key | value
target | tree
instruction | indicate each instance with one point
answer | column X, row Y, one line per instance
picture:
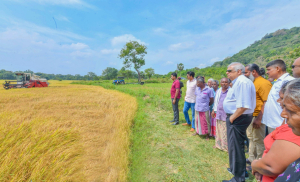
column 149, row 72
column 109, row 73
column 92, row 75
column 134, row 53
column 180, row 67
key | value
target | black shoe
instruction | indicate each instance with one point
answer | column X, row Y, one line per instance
column 176, row 123
column 229, row 170
column 172, row 121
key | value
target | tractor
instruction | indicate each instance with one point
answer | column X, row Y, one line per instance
column 26, row 80
column 119, row 81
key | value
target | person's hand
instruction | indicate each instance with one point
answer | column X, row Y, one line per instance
column 174, row 100
column 230, row 119
column 257, row 123
column 258, row 176
column 213, row 114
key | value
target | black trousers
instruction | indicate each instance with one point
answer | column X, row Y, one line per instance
column 236, row 135
column 175, row 110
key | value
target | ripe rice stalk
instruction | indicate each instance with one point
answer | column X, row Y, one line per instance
column 65, row 133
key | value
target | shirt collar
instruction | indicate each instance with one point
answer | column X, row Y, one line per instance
column 283, row 76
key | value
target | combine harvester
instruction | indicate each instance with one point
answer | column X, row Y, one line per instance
column 26, row 80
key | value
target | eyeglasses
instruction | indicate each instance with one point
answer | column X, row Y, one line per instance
column 228, row 71
column 293, row 66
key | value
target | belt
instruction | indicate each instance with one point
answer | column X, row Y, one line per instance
column 228, row 115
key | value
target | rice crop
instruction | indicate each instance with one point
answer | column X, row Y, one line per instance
column 65, row 133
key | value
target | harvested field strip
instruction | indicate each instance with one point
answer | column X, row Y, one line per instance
column 65, row 133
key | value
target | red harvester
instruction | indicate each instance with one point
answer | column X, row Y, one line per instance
column 26, row 80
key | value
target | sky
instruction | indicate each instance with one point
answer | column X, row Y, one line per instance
column 81, row 36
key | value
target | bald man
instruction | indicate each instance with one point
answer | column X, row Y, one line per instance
column 296, row 68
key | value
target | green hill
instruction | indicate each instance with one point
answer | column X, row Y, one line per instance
column 279, row 44
column 283, row 44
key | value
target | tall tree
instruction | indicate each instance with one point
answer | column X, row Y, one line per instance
column 109, row 73
column 134, row 53
column 149, row 72
column 180, row 66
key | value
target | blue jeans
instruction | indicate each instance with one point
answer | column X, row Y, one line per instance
column 186, row 108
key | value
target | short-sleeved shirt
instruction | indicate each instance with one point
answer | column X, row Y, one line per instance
column 190, row 91
column 292, row 173
column 203, row 98
column 283, row 132
column 272, row 109
column 262, row 88
column 221, row 115
column 242, row 94
column 175, row 85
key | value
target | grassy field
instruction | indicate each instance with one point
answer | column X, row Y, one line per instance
column 161, row 151
column 65, row 133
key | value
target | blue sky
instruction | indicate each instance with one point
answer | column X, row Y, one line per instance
column 79, row 36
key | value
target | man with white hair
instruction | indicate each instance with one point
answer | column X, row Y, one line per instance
column 209, row 82
column 239, row 106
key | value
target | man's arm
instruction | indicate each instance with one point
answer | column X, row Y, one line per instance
column 211, row 101
column 176, row 94
column 257, row 121
column 237, row 113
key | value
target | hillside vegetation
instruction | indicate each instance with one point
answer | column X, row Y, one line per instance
column 280, row 44
column 65, row 133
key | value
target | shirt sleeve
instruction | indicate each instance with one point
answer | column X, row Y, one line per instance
column 196, row 91
column 210, row 93
column 177, row 85
column 263, row 92
column 243, row 95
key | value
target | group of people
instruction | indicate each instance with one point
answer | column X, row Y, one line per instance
column 248, row 107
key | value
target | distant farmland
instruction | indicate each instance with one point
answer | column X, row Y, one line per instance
column 65, row 133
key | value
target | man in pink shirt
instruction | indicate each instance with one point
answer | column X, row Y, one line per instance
column 175, row 96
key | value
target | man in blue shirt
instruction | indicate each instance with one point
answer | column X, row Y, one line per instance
column 239, row 106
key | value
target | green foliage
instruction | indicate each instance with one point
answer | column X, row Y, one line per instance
column 109, row 73
column 133, row 54
column 271, row 46
column 149, row 72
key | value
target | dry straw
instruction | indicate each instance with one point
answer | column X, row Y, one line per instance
column 65, row 133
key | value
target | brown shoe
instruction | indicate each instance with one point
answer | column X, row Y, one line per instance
column 195, row 134
column 185, row 124
column 192, row 129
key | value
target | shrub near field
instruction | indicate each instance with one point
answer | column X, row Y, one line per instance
column 64, row 133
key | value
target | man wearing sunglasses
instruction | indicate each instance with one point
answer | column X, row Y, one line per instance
column 239, row 106
column 296, row 68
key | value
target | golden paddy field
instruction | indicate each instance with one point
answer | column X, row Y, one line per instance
column 65, row 133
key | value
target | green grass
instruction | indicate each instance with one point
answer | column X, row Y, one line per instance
column 161, row 151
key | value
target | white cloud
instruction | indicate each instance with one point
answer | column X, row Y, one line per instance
column 159, row 30
column 62, row 18
column 123, row 39
column 181, row 46
column 201, row 65
column 169, row 63
column 79, row 46
column 110, row 51
column 215, row 59
column 61, row 2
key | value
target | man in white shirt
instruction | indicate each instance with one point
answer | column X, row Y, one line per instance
column 277, row 70
column 239, row 106
column 190, row 99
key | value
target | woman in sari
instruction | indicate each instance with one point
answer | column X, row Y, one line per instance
column 204, row 98
column 219, row 115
